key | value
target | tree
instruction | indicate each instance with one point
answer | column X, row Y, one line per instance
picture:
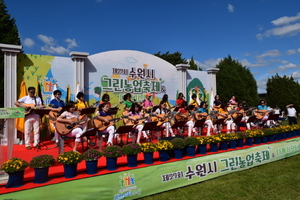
column 235, row 79
column 193, row 65
column 174, row 58
column 282, row 91
column 8, row 35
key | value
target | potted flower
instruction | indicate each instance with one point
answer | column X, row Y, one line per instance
column 203, row 141
column 91, row 157
column 233, row 137
column 270, row 133
column 191, row 143
column 241, row 137
column 132, row 150
column 148, row 149
column 163, row 147
column 224, row 140
column 70, row 160
column 112, row 153
column 15, row 168
column 178, row 146
column 250, row 135
column 213, row 141
column 41, row 166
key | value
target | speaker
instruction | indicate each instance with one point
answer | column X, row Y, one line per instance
column 170, row 138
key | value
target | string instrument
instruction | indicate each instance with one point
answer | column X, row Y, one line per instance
column 53, row 115
column 31, row 107
column 102, row 125
column 137, row 120
column 231, row 107
column 65, row 128
column 261, row 113
column 241, row 112
column 161, row 118
column 183, row 116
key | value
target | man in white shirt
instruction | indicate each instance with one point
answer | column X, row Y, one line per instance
column 292, row 114
column 31, row 119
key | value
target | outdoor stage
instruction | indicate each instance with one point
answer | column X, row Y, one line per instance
column 145, row 179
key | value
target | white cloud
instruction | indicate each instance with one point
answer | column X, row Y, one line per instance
column 270, row 53
column 28, row 42
column 291, row 52
column 71, row 43
column 284, row 68
column 47, row 40
column 230, row 8
column 298, row 50
column 57, row 50
column 296, row 75
column 210, row 63
column 285, row 20
column 262, row 85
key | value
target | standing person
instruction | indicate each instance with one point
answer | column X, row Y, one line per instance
column 66, row 118
column 161, row 113
column 147, row 103
column 102, row 116
column 292, row 114
column 31, row 119
column 56, row 106
column 134, row 115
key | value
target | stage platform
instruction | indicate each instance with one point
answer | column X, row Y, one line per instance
column 147, row 179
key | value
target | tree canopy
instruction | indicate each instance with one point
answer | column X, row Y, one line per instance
column 8, row 35
column 235, row 79
column 282, row 91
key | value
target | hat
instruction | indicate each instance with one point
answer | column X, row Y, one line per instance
column 148, row 95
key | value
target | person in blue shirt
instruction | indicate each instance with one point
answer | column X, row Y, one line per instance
column 262, row 113
column 203, row 113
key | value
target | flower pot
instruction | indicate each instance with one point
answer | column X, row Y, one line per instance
column 213, row 147
column 70, row 170
column 132, row 160
column 256, row 140
column 190, row 150
column 232, row 144
column 91, row 166
column 298, row 132
column 271, row 138
column 278, row 136
column 240, row 142
column 178, row 153
column 15, row 179
column 249, row 141
column 264, row 139
column 164, row 156
column 294, row 133
column 201, row 149
column 283, row 136
column 288, row 134
column 223, row 145
column 148, row 158
column 111, row 163
column 41, row 175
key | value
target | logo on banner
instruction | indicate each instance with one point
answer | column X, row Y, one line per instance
column 128, row 186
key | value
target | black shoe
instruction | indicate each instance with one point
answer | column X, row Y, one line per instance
column 92, row 144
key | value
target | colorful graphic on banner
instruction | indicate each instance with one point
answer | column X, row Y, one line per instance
column 6, row 113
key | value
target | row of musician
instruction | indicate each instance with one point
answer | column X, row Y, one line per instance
column 68, row 119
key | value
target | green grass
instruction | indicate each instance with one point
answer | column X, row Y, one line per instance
column 277, row 180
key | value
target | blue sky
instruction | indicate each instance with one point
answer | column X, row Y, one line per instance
column 264, row 35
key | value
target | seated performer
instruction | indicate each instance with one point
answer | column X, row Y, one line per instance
column 31, row 119
column 184, row 115
column 262, row 113
column 217, row 103
column 161, row 113
column 194, row 102
column 203, row 112
column 105, row 99
column 179, row 100
column 127, row 103
column 147, row 103
column 102, row 116
column 135, row 116
column 70, row 116
column 81, row 104
column 166, row 101
column 56, row 106
column 241, row 111
column 223, row 114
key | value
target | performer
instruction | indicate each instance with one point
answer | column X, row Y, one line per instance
column 134, row 115
column 203, row 113
column 31, row 119
column 161, row 113
column 240, row 110
column 56, row 106
column 81, row 104
column 66, row 117
column 292, row 114
column 194, row 102
column 165, row 100
column 147, row 103
column 228, row 119
column 179, row 100
column 217, row 103
column 105, row 99
column 262, row 113
column 185, row 114
column 127, row 102
column 232, row 103
column 101, row 115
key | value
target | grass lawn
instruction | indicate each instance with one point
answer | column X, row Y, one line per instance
column 276, row 180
